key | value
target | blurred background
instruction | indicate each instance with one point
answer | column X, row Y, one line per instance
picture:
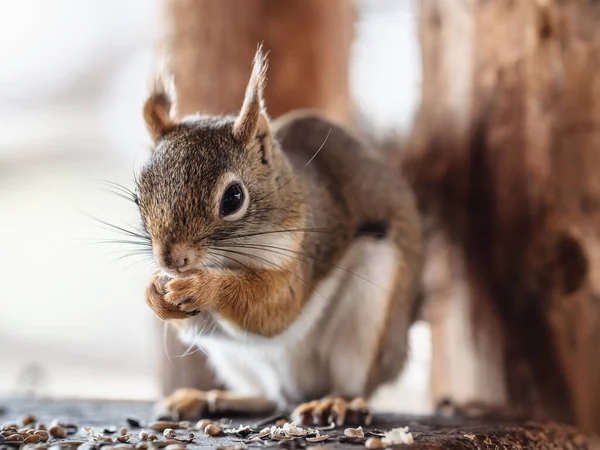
column 72, row 82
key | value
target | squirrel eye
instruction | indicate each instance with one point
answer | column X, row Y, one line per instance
column 232, row 200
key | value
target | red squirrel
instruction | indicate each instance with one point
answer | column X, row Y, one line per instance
column 289, row 252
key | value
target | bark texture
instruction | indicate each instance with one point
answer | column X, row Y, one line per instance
column 209, row 46
column 505, row 158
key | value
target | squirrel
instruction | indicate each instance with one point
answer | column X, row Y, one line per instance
column 289, row 252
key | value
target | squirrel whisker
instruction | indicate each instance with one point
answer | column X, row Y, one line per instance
column 274, row 248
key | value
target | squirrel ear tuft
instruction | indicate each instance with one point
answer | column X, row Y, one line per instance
column 157, row 108
column 249, row 120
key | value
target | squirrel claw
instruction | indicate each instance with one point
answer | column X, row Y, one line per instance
column 182, row 293
column 333, row 410
column 155, row 298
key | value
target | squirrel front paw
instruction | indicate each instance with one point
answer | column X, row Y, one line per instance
column 190, row 294
column 155, row 298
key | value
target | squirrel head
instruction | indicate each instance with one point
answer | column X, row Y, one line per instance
column 210, row 193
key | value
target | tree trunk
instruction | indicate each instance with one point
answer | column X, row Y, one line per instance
column 209, row 45
column 505, row 159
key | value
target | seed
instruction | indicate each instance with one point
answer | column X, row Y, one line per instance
column 108, row 439
column 28, row 419
column 57, row 431
column 142, row 445
column 354, row 433
column 32, row 439
column 185, row 425
column 169, row 433
column 123, row 431
column 123, row 438
column 15, row 438
column 162, row 425
column 70, row 428
column 152, row 437
column 202, row 424
column 374, row 442
column 212, row 430
column 143, row 436
column 24, row 430
column 42, row 426
column 43, row 434
column 133, row 423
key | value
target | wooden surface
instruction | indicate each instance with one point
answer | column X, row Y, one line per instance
column 429, row 433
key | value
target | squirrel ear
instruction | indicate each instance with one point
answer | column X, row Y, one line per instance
column 253, row 116
column 157, row 109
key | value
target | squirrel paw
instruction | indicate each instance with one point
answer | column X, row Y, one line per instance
column 155, row 298
column 333, row 410
column 183, row 293
column 192, row 404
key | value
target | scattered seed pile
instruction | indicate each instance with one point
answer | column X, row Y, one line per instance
column 28, row 434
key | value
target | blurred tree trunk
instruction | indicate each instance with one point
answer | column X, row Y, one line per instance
column 210, row 45
column 505, row 159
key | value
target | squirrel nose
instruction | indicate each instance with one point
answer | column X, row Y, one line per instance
column 178, row 263
column 176, row 256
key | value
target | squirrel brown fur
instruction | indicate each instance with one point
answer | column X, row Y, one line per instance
column 289, row 250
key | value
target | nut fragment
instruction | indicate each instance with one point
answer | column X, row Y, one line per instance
column 212, row 430
column 202, row 424
column 152, row 437
column 143, row 436
column 123, row 438
column 398, row 436
column 142, row 445
column 123, row 431
column 185, row 425
column 374, row 442
column 354, row 433
column 169, row 433
column 57, row 431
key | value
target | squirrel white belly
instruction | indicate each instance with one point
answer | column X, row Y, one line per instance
column 289, row 252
